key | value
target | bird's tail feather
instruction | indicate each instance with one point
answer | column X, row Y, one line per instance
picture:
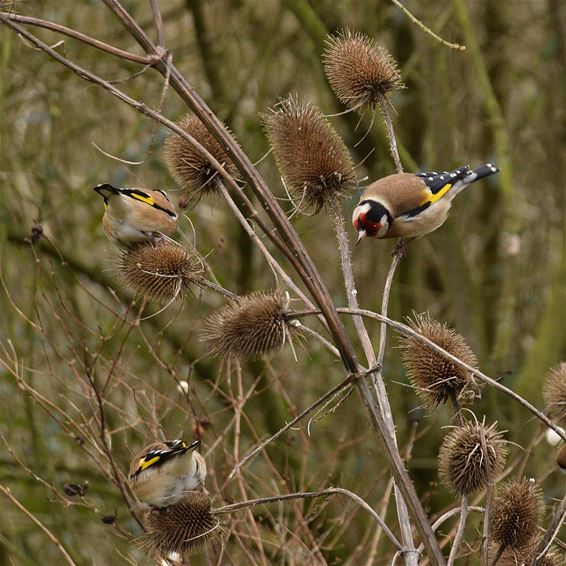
column 480, row 172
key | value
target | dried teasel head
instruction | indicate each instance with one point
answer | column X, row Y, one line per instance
column 435, row 378
column 554, row 393
column 516, row 514
column 463, row 464
column 161, row 271
column 524, row 557
column 192, row 171
column 185, row 527
column 360, row 72
column 249, row 327
column 310, row 155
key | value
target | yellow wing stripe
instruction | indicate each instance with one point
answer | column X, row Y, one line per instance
column 147, row 200
column 440, row 193
column 147, row 463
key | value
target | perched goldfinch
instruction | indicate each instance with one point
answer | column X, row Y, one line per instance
column 136, row 215
column 412, row 205
column 164, row 471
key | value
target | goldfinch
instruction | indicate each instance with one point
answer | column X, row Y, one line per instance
column 136, row 215
column 163, row 472
column 412, row 205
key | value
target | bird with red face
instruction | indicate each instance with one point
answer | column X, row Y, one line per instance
column 408, row 205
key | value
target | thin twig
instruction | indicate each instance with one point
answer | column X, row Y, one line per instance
column 309, row 495
column 558, row 518
column 321, row 400
column 144, row 60
column 390, row 134
column 6, row 491
column 460, row 531
column 416, row 21
column 158, row 22
column 488, row 497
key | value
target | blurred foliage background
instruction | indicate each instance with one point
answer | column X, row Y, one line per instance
column 496, row 271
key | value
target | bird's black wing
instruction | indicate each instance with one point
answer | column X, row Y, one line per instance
column 439, row 183
column 158, row 456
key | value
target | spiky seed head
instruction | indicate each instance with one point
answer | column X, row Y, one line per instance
column 161, row 270
column 554, row 393
column 189, row 168
column 309, row 153
column 360, row 71
column 524, row 556
column 516, row 513
column 436, row 379
column 248, row 328
column 185, row 527
column 462, row 462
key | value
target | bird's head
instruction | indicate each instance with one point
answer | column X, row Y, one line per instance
column 106, row 190
column 371, row 219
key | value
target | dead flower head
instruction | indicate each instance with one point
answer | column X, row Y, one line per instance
column 554, row 393
column 516, row 514
column 464, row 466
column 361, row 72
column 185, row 527
column 192, row 171
column 435, row 378
column 249, row 327
column 309, row 153
column 161, row 271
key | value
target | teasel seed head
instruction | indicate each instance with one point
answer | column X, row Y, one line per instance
column 192, row 171
column 516, row 514
column 160, row 271
column 524, row 557
column 309, row 153
column 249, row 327
column 185, row 527
column 461, row 460
column 554, row 393
column 360, row 71
column 436, row 379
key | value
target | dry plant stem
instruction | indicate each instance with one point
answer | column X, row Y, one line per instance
column 460, row 531
column 309, row 495
column 488, row 499
column 33, row 518
column 158, row 21
column 144, row 60
column 552, row 530
column 293, row 249
column 320, row 401
column 416, row 21
column 257, row 240
column 390, row 134
column 407, row 331
column 498, row 555
column 381, row 393
column 206, row 284
column 443, row 518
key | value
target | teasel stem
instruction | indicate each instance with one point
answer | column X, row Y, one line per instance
column 310, row 495
column 273, row 263
column 206, row 284
column 488, row 502
column 464, row 499
column 391, row 134
column 411, row 556
column 460, row 531
column 498, row 554
column 552, row 530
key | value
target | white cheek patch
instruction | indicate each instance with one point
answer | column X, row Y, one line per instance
column 384, row 226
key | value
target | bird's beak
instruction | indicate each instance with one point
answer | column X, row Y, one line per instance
column 361, row 236
column 194, row 445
